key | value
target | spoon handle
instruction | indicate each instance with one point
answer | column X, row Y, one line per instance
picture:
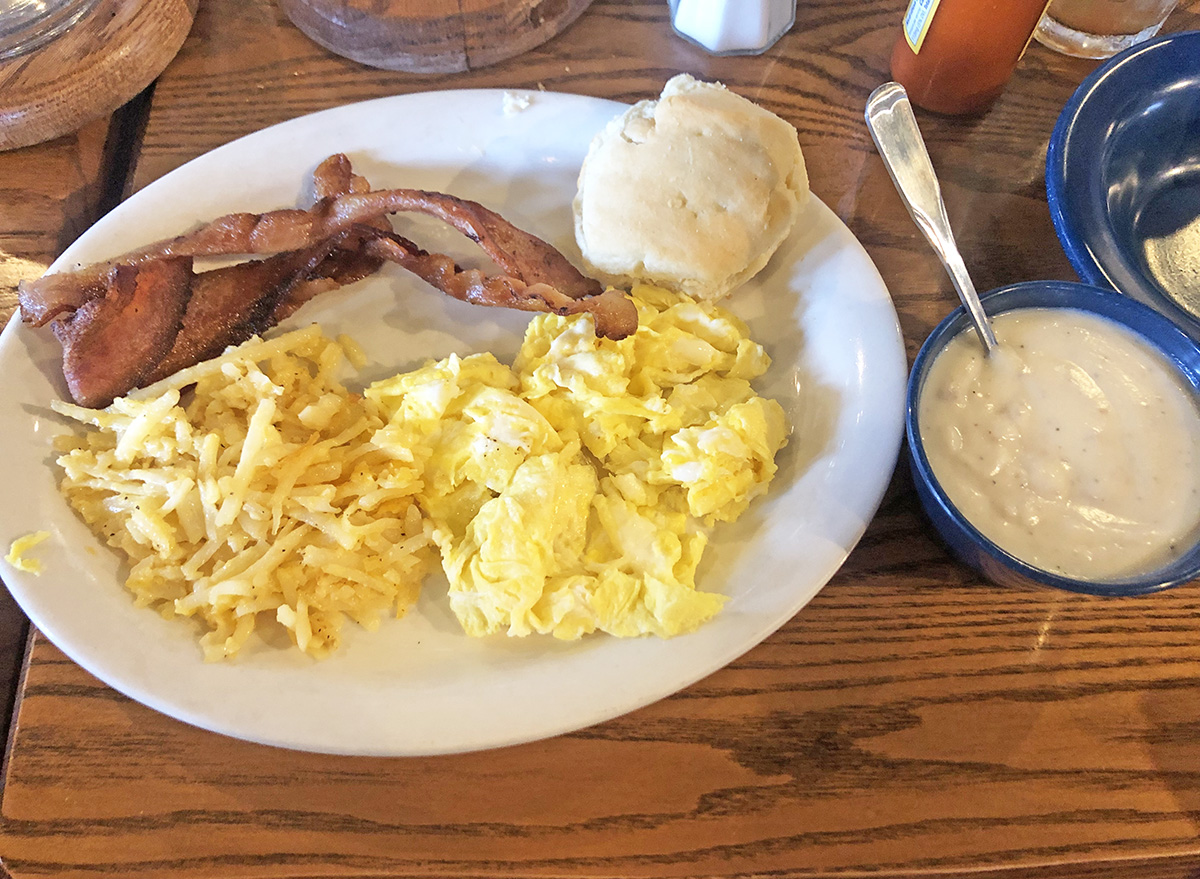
column 894, row 129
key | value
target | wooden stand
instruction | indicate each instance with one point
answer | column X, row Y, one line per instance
column 110, row 55
column 431, row 36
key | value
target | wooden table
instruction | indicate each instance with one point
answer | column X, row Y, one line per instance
column 912, row 719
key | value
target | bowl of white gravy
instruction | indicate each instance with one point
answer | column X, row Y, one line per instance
column 1070, row 455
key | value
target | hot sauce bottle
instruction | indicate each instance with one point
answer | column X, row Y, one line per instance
column 955, row 56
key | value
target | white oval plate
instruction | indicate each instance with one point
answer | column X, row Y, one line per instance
column 418, row 685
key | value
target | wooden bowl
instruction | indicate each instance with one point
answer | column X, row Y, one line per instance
column 88, row 71
column 431, row 36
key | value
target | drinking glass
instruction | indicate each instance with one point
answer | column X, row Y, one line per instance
column 26, row 25
column 1100, row 28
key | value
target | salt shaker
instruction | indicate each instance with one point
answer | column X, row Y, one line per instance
column 733, row 27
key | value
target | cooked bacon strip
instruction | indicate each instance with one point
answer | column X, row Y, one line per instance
column 52, row 295
column 334, row 177
column 46, row 298
column 147, row 315
column 111, row 343
column 347, row 263
column 615, row 314
column 539, row 277
column 519, row 254
column 231, row 304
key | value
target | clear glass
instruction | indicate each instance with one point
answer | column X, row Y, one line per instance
column 1101, row 28
column 26, row 25
column 733, row 27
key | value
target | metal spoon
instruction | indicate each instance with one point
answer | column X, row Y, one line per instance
column 894, row 128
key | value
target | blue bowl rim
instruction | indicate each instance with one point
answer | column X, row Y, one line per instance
column 1129, row 313
column 1070, row 203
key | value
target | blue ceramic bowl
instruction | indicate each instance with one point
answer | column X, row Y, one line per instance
column 959, row 534
column 1123, row 176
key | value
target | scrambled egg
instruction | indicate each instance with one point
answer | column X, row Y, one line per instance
column 574, row 491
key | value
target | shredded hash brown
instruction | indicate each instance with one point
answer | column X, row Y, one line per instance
column 257, row 492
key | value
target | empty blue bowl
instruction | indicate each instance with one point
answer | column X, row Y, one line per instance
column 1123, row 176
column 963, row 538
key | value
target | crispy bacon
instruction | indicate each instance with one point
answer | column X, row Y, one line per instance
column 111, row 344
column 614, row 314
column 334, row 177
column 62, row 292
column 229, row 305
column 348, row 263
column 519, row 254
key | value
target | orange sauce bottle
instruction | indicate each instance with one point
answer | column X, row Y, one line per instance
column 955, row 56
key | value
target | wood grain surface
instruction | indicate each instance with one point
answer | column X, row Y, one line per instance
column 432, row 36
column 98, row 65
column 911, row 720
